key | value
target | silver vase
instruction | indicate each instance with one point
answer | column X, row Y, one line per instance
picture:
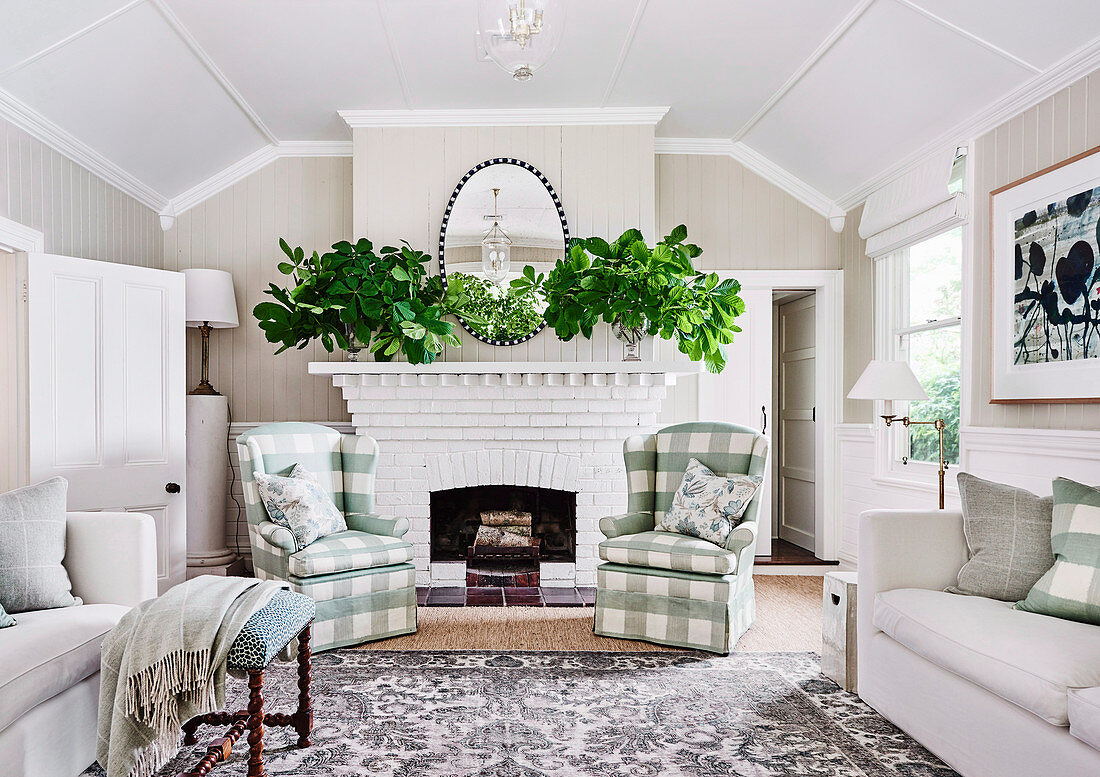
column 631, row 338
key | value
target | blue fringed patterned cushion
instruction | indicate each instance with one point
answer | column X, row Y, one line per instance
column 270, row 629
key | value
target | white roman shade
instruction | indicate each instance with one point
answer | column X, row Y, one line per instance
column 927, row 200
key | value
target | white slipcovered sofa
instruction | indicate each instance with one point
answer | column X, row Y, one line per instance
column 993, row 691
column 49, row 661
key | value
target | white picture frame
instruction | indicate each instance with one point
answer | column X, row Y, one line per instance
column 1043, row 374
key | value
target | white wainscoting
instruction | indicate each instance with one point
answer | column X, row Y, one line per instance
column 1028, row 458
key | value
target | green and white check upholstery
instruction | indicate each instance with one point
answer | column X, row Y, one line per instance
column 666, row 587
column 362, row 580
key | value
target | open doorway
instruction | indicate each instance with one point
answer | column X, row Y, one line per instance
column 795, row 469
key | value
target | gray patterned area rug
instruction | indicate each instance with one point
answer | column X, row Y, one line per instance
column 492, row 714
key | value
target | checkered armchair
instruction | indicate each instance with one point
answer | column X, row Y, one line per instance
column 363, row 579
column 666, row 587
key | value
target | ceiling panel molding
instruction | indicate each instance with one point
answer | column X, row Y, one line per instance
column 38, row 126
column 70, row 38
column 240, row 170
column 192, row 43
column 1071, row 69
column 837, row 33
column 624, row 51
column 755, row 162
column 503, row 117
column 970, row 36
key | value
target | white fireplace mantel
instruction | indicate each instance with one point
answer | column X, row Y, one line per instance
column 459, row 424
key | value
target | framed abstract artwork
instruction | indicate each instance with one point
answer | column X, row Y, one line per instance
column 1046, row 284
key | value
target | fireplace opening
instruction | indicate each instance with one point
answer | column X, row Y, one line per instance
column 456, row 516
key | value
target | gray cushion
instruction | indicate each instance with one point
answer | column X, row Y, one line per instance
column 32, row 545
column 49, row 652
column 1028, row 659
column 1008, row 533
column 1084, row 715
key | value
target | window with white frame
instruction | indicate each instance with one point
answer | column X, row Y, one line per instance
column 920, row 288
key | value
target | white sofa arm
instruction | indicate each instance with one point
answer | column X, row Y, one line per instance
column 905, row 549
column 111, row 558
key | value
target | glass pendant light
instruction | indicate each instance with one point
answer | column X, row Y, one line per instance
column 520, row 35
column 496, row 248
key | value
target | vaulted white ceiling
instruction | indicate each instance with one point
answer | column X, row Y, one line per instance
column 826, row 94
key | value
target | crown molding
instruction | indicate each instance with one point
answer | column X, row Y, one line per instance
column 39, row 127
column 1069, row 70
column 19, row 237
column 245, row 167
column 503, row 117
column 759, row 164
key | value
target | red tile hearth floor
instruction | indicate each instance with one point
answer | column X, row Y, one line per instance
column 505, row 597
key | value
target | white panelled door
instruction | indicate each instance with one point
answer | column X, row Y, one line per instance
column 106, row 388
column 742, row 393
column 796, row 448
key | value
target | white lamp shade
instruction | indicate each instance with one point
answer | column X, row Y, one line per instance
column 210, row 298
column 887, row 380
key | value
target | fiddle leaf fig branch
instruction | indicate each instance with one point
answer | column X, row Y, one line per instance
column 386, row 300
column 630, row 283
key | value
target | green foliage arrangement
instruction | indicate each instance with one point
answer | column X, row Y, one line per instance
column 507, row 315
column 654, row 289
column 386, row 301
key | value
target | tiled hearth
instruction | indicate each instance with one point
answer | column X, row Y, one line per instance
column 457, row 596
column 457, row 425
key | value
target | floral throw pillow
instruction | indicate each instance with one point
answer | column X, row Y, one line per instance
column 299, row 503
column 708, row 506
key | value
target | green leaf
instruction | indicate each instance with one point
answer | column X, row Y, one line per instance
column 400, row 274
column 677, row 235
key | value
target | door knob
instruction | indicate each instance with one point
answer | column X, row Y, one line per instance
column 172, row 488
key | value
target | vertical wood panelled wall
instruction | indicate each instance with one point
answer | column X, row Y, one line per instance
column 306, row 200
column 1065, row 124
column 859, row 321
column 78, row 212
column 604, row 176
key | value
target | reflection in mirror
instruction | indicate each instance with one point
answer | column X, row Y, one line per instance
column 504, row 215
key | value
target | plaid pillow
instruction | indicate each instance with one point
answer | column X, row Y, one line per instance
column 5, row 619
column 1071, row 589
column 299, row 503
column 708, row 506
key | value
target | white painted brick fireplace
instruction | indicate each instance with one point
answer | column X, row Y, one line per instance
column 455, row 425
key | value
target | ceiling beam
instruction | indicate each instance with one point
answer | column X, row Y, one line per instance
column 192, row 43
column 822, row 49
column 395, row 56
column 970, row 36
column 624, row 51
column 70, row 38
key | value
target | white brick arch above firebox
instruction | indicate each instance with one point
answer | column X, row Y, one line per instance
column 539, row 469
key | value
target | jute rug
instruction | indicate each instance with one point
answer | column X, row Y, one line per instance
column 557, row 714
column 788, row 618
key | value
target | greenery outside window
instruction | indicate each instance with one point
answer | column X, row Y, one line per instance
column 921, row 289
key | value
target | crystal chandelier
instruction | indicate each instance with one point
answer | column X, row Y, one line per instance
column 520, row 35
column 496, row 247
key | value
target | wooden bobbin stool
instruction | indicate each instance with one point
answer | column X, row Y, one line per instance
column 264, row 636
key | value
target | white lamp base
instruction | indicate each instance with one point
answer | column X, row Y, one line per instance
column 207, row 464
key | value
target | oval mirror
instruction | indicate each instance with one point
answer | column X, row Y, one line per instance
column 503, row 215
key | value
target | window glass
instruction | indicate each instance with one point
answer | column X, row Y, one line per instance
column 935, row 278
column 935, row 357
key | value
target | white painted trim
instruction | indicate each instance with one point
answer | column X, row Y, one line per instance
column 70, row 38
column 240, row 427
column 503, row 117
column 243, row 168
column 977, row 39
column 504, row 368
column 757, row 163
column 38, row 126
column 1072, row 68
column 624, row 51
column 19, row 237
column 829, row 285
column 1068, row 442
column 200, row 54
column 395, row 57
column 823, row 48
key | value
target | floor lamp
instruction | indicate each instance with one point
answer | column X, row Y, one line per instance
column 210, row 305
column 894, row 380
